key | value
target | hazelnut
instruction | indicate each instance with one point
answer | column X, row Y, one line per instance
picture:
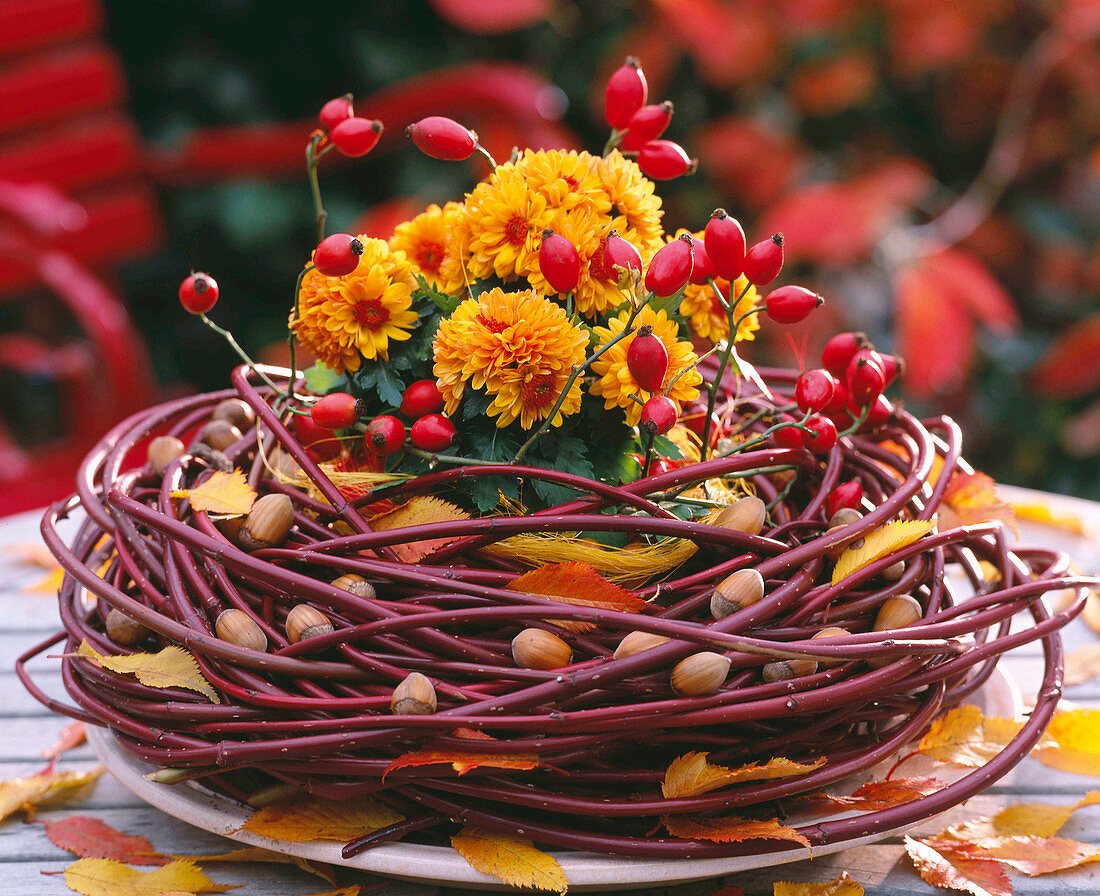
column 162, row 451
column 700, row 674
column 414, row 696
column 735, row 592
column 785, row 670
column 744, row 515
column 268, row 522
column 124, row 629
column 534, row 648
column 357, row 585
column 219, row 434
column 304, row 622
column 237, row 412
column 636, row 642
column 237, row 627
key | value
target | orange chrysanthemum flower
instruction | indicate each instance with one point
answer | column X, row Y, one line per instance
column 635, row 207
column 568, row 180
column 614, row 382
column 344, row 320
column 424, row 239
column 518, row 346
column 506, row 218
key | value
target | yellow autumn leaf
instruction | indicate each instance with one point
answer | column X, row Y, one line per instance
column 1082, row 664
column 419, row 511
column 1040, row 513
column 106, row 877
column 1038, row 819
column 1072, row 742
column 730, row 829
column 880, row 543
column 223, row 495
column 172, row 667
column 842, row 886
column 27, row 793
column 965, row 737
column 691, row 774
column 510, row 859
column 314, row 818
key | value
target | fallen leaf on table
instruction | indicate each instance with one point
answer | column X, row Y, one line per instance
column 1072, row 742
column 958, row 865
column 261, row 856
column 1091, row 613
column 419, row 511
column 105, row 877
column 223, row 495
column 1082, row 664
column 301, row 819
column 71, row 737
column 879, row 543
column 730, row 829
column 972, row 498
column 1040, row 513
column 1024, row 819
column 32, row 553
column 1038, row 855
column 172, row 667
column 580, row 584
column 691, row 774
column 842, row 886
column 965, row 737
column 463, row 762
column 95, row 839
column 510, row 859
column 876, row 795
column 27, row 793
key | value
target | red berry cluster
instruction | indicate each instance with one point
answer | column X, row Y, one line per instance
column 641, row 125
column 351, row 135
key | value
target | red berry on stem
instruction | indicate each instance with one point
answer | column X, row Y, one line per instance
column 822, row 435
column 659, row 415
column 814, row 390
column 790, row 304
column 892, row 367
column 618, row 253
column 335, row 111
column 670, row 268
column 337, row 255
column 839, row 401
column 317, row 439
column 865, row 379
column 384, row 436
column 847, row 494
column 356, row 137
column 199, row 293
column 702, row 269
column 420, row 398
column 881, row 411
column 764, row 261
column 559, row 261
column 336, row 411
column 648, row 123
column 442, row 138
column 725, row 242
column 838, row 351
column 789, row 436
column 647, row 360
column 433, row 432
column 664, row 160
column 626, row 93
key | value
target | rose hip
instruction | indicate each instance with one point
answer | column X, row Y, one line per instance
column 822, row 435
column 847, row 494
column 626, row 93
column 336, row 411
column 814, row 390
column 659, row 415
column 433, row 432
column 559, row 262
column 647, row 360
column 337, row 255
column 442, row 138
column 764, row 261
column 665, row 160
column 791, row 304
column 385, row 435
column 670, row 268
column 356, row 137
column 839, row 350
column 648, row 123
column 421, row 398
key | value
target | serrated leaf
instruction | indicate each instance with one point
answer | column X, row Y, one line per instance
column 224, row 495
column 379, row 379
column 957, row 865
column 513, row 860
column 880, row 543
column 91, row 838
column 691, row 774
column 876, row 795
column 1072, row 742
column 443, row 301
column 1032, row 819
column 578, row 584
column 27, row 793
column 260, row 855
column 730, row 829
column 106, row 877
column 1038, row 855
column 965, row 737
column 418, row 511
column 301, row 819
column 71, row 737
column 464, row 761
column 320, row 380
column 842, row 886
column 171, row 667
column 972, row 498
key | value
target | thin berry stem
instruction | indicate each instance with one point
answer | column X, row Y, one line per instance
column 723, row 364
column 242, row 354
column 312, row 158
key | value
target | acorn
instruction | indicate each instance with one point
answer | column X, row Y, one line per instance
column 414, row 696
column 785, row 670
column 735, row 592
column 357, row 585
column 219, row 434
column 699, row 674
column 304, row 622
column 268, row 523
column 832, row 632
column 124, row 629
column 162, row 451
column 744, row 515
column 534, row 648
column 897, row 612
column 237, row 412
column 636, row 642
column 237, row 627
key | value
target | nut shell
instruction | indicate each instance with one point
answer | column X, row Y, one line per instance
column 268, row 522
column 832, row 632
column 124, row 629
column 304, row 622
column 534, row 648
column 636, row 642
column 235, row 411
column 735, row 592
column 894, row 571
column 785, row 670
column 219, row 434
column 357, row 585
column 283, row 467
column 700, row 674
column 162, row 451
column 237, row 627
column 897, row 612
column 414, row 696
column 744, row 515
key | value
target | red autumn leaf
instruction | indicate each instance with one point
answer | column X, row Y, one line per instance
column 1070, row 367
column 876, row 795
column 464, row 761
column 976, row 289
column 93, row 839
column 973, row 498
column 492, row 16
column 1038, row 855
column 728, row 42
column 421, row 510
column 577, row 583
column 957, row 865
column 71, row 737
column 747, row 159
column 935, row 335
column 730, row 829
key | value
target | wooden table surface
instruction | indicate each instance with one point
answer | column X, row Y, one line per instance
column 27, row 728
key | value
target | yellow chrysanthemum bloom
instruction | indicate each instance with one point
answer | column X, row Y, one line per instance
column 635, row 207
column 343, row 320
column 614, row 382
column 566, row 179
column 454, row 273
column 706, row 316
column 581, row 226
column 506, row 219
column 519, row 346
column 424, row 239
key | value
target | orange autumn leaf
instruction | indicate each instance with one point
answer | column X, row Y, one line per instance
column 91, row 838
column 691, row 774
column 106, row 877
column 972, row 498
column 513, row 860
column 842, row 886
column 223, row 495
column 419, row 511
column 70, row 737
column 1072, row 742
column 958, row 865
column 464, row 761
column 730, row 829
column 1037, row 855
column 965, row 737
column 26, row 793
column 1045, row 516
column 880, row 543
column 170, row 667
column 1082, row 664
column 301, row 819
column 579, row 584
column 876, row 795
